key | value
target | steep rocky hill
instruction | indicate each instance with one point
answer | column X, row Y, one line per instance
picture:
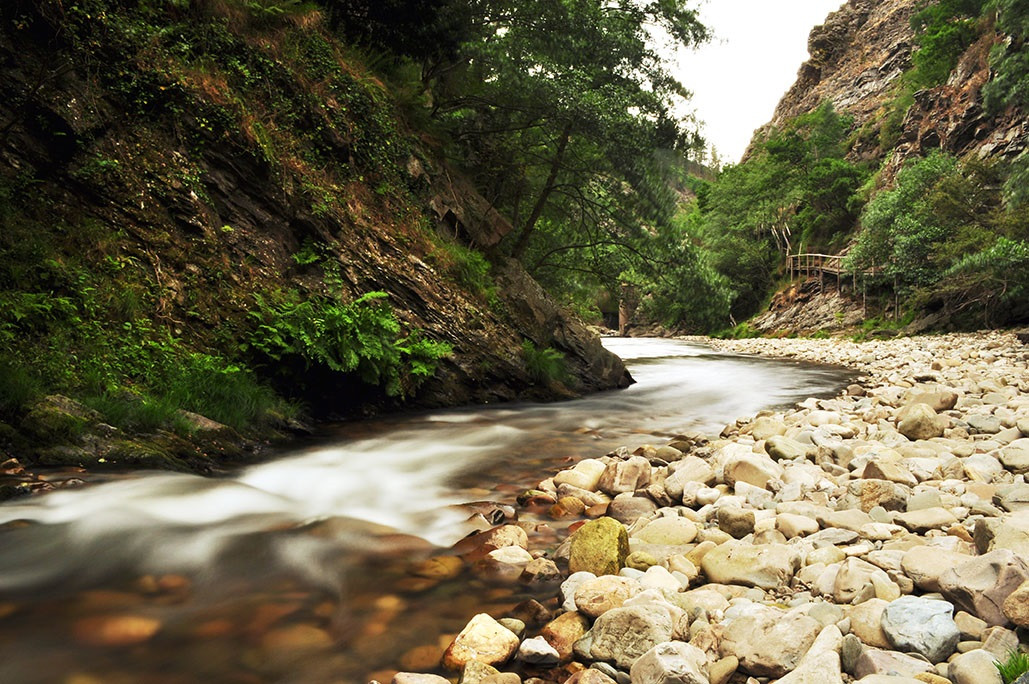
column 217, row 183
column 857, row 59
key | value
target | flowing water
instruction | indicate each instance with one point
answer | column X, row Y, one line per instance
column 298, row 570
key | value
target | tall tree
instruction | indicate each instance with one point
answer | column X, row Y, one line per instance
column 560, row 105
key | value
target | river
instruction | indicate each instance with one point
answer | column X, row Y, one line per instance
column 297, row 570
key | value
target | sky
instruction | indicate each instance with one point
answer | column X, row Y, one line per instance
column 739, row 77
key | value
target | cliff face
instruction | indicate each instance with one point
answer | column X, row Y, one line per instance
column 857, row 58
column 857, row 55
column 208, row 163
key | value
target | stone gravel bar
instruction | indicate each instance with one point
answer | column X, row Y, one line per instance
column 880, row 536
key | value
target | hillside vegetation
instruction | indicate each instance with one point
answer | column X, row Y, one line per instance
column 918, row 189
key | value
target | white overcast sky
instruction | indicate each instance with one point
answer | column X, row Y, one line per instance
column 752, row 60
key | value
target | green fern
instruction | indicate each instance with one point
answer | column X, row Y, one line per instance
column 544, row 365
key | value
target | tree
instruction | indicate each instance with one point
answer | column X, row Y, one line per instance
column 559, row 106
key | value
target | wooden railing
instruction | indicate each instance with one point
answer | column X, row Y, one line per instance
column 823, row 263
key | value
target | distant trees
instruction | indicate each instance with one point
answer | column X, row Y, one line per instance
column 946, row 239
column 796, row 188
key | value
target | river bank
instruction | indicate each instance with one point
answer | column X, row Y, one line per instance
column 877, row 536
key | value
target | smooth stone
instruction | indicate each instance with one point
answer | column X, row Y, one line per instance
column 116, row 630
column 590, row 675
column 982, row 583
column 722, row 669
column 754, row 469
column 569, row 586
column 867, row 494
column 971, row 627
column 1015, row 456
column 974, row 667
column 926, row 564
column 875, row 661
column 418, row 678
column 735, row 521
column 889, row 469
column 667, row 531
column 923, row 626
column 537, row 651
column 766, row 566
column 600, row 546
column 673, row 662
column 476, row 671
column 628, row 510
column 821, row 663
column 784, row 449
column 1008, row 532
column 585, row 474
column 594, row 597
column 483, row 639
column 926, row 519
column 866, row 623
column 689, row 469
column 765, row 427
column 792, row 525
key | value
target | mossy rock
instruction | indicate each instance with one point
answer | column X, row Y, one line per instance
column 56, row 419
column 142, row 454
column 600, row 546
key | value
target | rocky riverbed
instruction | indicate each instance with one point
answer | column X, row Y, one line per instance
column 881, row 536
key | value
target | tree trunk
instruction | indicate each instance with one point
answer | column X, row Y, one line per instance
column 541, row 202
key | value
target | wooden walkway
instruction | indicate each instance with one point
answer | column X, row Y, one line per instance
column 821, row 264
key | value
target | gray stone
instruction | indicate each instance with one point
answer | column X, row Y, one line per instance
column 982, row 423
column 980, row 584
column 673, row 662
column 922, row 626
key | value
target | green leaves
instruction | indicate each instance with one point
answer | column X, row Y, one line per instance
column 362, row 337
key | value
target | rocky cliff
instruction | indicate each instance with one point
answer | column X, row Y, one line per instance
column 857, row 59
